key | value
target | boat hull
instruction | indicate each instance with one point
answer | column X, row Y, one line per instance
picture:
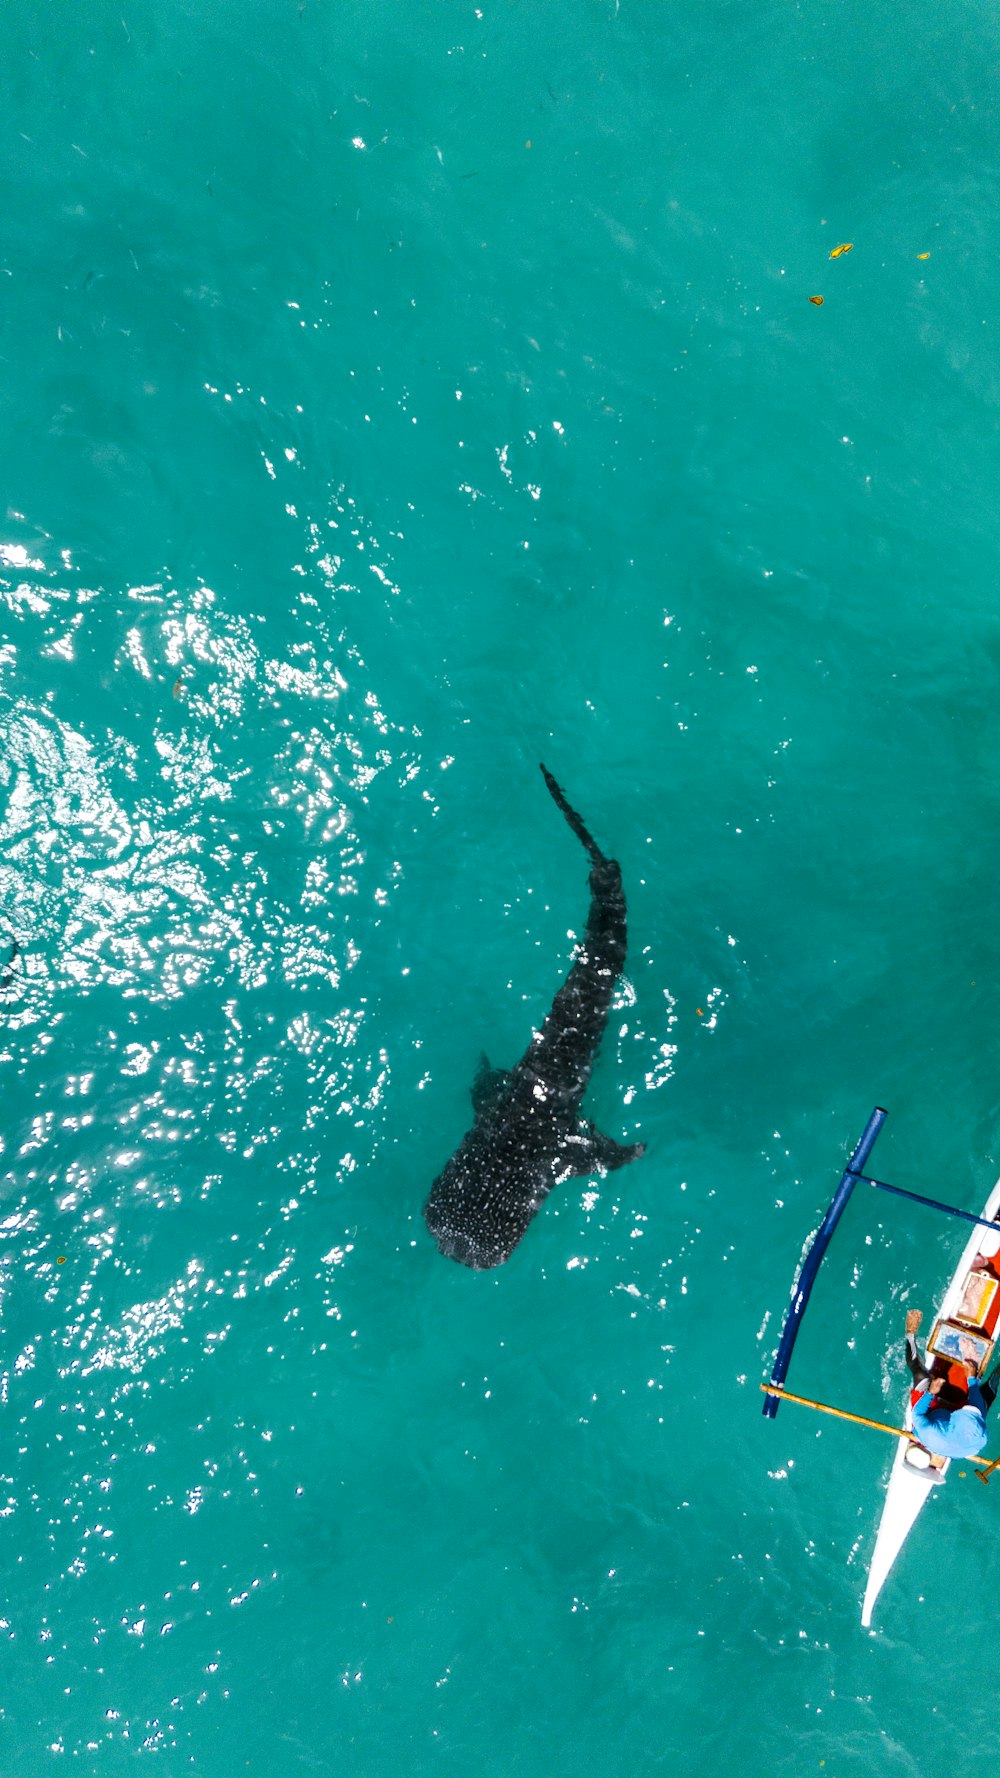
column 909, row 1488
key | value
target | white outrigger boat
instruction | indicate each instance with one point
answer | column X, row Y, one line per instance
column 970, row 1310
column 967, row 1327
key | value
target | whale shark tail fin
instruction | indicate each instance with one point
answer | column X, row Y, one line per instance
column 575, row 821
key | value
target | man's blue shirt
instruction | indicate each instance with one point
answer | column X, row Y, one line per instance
column 961, row 1433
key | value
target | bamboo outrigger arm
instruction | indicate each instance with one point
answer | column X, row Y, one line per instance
column 985, row 1463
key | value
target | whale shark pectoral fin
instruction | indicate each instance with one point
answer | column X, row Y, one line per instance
column 594, row 1152
column 488, row 1085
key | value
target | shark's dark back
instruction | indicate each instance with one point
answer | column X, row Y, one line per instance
column 563, row 1051
column 528, row 1131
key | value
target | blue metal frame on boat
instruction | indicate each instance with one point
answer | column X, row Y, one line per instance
column 811, row 1263
column 987, row 1222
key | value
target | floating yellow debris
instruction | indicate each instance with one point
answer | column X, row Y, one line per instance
column 61, row 1261
column 818, row 300
column 845, row 247
column 923, row 256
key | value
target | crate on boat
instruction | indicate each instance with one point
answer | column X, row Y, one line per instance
column 959, row 1345
column 979, row 1303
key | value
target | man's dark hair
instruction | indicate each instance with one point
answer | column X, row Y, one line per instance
column 949, row 1397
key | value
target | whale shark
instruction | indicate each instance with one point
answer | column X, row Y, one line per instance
column 529, row 1132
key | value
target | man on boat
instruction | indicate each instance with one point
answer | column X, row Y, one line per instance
column 948, row 1407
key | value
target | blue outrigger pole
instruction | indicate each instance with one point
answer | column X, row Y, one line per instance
column 811, row 1264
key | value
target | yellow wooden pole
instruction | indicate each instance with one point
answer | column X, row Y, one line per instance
column 860, row 1420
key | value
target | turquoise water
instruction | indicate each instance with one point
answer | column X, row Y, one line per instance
column 394, row 397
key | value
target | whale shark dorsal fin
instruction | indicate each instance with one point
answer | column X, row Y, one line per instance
column 593, row 1152
column 488, row 1086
